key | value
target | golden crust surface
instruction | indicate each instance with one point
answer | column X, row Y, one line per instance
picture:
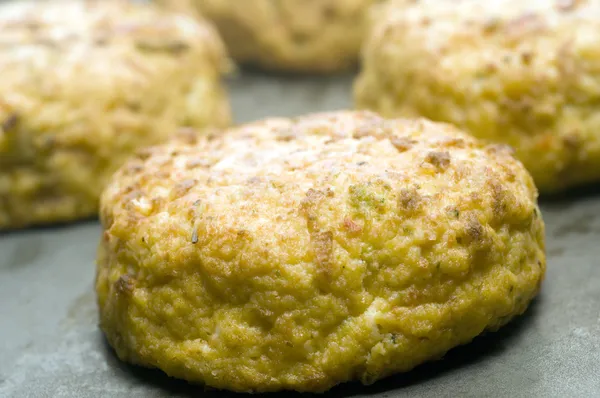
column 526, row 73
column 84, row 84
column 299, row 254
column 305, row 36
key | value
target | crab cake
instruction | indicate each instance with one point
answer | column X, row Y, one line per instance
column 308, row 36
column 85, row 83
column 296, row 254
column 525, row 73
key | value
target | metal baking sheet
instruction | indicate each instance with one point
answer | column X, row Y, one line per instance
column 50, row 345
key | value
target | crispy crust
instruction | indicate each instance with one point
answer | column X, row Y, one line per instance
column 84, row 84
column 525, row 73
column 299, row 254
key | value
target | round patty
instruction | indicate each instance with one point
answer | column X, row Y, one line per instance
column 301, row 253
column 316, row 36
column 525, row 73
column 84, row 84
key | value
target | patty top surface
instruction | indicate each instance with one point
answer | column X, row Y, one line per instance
column 538, row 37
column 460, row 15
column 545, row 39
column 255, row 167
column 300, row 253
column 110, row 37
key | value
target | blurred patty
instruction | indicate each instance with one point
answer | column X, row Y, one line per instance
column 526, row 73
column 301, row 253
column 85, row 83
column 317, row 36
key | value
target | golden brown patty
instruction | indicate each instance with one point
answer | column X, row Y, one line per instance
column 526, row 73
column 289, row 35
column 83, row 84
column 298, row 254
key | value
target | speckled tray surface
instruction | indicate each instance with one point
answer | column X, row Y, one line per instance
column 50, row 345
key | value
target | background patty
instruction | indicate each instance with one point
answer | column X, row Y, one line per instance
column 526, row 73
column 84, row 84
column 289, row 35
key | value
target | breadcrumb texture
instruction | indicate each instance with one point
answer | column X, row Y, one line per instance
column 525, row 73
column 299, row 254
column 85, row 83
column 307, row 36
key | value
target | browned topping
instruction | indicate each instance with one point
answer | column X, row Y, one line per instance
column 526, row 23
column 287, row 134
column 101, row 41
column 192, row 164
column 329, row 11
column 402, row 144
column 157, row 202
column 32, row 25
column 474, row 229
column 526, row 57
column 498, row 199
column 144, row 153
column 309, row 203
column 10, row 122
column 364, row 131
column 454, row 143
column 567, row 5
column 500, row 149
column 50, row 43
column 312, row 196
column 125, row 285
column 184, row 186
column 163, row 174
column 409, row 199
column 491, row 68
column 438, row 159
column 572, row 141
column 189, row 135
column 351, row 226
column 491, row 25
column 132, row 169
column 323, row 246
column 254, row 180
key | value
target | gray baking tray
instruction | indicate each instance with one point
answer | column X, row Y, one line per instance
column 50, row 345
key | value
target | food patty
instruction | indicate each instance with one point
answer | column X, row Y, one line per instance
column 308, row 36
column 296, row 254
column 85, row 83
column 525, row 73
